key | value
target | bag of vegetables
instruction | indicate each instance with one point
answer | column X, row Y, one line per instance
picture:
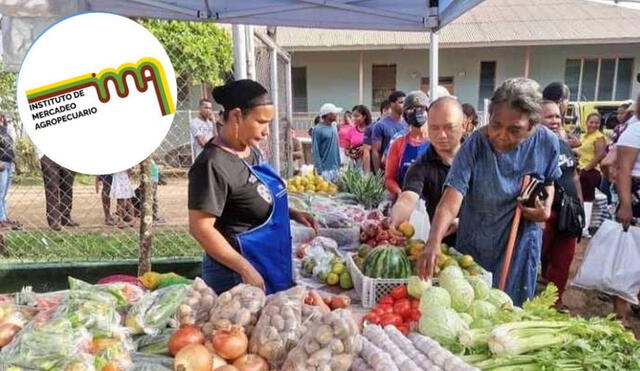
column 239, row 306
column 330, row 344
column 279, row 326
column 196, row 307
column 152, row 313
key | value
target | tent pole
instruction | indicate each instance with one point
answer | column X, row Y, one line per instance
column 434, row 79
column 239, row 52
column 275, row 123
column 251, row 52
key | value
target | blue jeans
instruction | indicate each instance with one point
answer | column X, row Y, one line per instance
column 5, row 183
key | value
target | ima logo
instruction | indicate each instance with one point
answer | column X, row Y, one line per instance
column 146, row 72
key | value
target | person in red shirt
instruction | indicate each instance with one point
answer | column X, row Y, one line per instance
column 355, row 137
column 405, row 149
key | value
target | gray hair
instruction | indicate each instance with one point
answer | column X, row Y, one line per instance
column 521, row 94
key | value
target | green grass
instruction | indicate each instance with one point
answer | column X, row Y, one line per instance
column 93, row 246
column 31, row 179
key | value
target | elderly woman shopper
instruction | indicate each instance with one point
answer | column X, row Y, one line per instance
column 487, row 174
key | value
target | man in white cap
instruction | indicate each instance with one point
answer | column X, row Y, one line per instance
column 324, row 143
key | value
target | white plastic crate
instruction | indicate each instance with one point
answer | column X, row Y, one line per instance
column 371, row 289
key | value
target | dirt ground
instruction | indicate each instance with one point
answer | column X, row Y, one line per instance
column 586, row 303
column 26, row 204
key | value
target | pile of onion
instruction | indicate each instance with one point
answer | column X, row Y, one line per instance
column 230, row 344
column 185, row 335
column 193, row 357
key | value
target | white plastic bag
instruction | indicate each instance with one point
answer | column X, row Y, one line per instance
column 610, row 263
column 420, row 221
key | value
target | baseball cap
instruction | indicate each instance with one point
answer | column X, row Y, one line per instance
column 414, row 99
column 329, row 108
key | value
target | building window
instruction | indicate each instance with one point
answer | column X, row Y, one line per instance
column 487, row 82
column 383, row 81
column 603, row 79
column 446, row 81
column 299, row 77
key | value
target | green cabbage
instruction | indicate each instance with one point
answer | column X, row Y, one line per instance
column 481, row 323
column 482, row 309
column 442, row 324
column 449, row 273
column 466, row 317
column 434, row 296
column 480, row 288
column 461, row 293
column 417, row 286
column 499, row 299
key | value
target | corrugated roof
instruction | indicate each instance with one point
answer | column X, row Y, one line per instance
column 493, row 22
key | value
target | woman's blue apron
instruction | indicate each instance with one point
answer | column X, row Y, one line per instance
column 409, row 155
column 267, row 247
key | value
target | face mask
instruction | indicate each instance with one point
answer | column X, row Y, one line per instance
column 416, row 117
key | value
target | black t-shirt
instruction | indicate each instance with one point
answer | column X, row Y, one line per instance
column 426, row 177
column 568, row 164
column 220, row 184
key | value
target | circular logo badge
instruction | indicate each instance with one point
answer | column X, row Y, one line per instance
column 96, row 93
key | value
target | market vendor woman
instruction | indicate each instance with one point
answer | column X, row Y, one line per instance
column 484, row 182
column 238, row 208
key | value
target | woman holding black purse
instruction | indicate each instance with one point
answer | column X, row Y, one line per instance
column 558, row 241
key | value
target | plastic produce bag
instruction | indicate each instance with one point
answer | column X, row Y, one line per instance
column 420, row 221
column 239, row 306
column 610, row 263
column 154, row 344
column 346, row 238
column 334, row 219
column 51, row 346
column 145, row 362
column 329, row 344
column 199, row 300
column 279, row 327
column 301, row 234
column 153, row 311
column 125, row 293
column 13, row 319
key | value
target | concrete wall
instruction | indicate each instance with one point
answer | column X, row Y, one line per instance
column 333, row 76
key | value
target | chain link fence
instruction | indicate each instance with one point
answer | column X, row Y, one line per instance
column 56, row 216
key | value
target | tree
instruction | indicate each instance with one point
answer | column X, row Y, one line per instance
column 200, row 52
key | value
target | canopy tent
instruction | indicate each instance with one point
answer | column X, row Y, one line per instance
column 24, row 20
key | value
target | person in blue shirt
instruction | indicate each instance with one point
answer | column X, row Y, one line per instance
column 324, row 143
column 367, row 142
column 387, row 128
column 484, row 183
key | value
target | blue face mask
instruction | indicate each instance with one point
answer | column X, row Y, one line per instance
column 416, row 116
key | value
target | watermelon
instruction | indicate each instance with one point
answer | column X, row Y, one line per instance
column 387, row 261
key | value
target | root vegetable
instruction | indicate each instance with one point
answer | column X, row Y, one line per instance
column 217, row 360
column 184, row 336
column 251, row 362
column 339, row 301
column 324, row 334
column 341, row 362
column 226, row 368
column 193, row 357
column 230, row 344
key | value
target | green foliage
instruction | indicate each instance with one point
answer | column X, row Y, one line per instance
column 200, row 52
column 8, row 104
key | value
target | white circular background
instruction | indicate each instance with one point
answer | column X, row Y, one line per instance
column 124, row 131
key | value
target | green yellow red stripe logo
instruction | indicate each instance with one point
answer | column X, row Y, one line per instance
column 147, row 71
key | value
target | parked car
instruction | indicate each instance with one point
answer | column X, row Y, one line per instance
column 577, row 112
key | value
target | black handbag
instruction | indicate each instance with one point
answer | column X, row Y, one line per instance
column 571, row 218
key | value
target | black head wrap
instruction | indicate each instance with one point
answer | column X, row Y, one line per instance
column 242, row 94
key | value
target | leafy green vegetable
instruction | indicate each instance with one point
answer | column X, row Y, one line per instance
column 416, row 286
column 461, row 294
column 466, row 317
column 499, row 299
column 482, row 309
column 434, row 296
column 442, row 324
column 480, row 288
column 451, row 272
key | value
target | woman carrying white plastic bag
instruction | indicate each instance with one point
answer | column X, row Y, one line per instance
column 626, row 245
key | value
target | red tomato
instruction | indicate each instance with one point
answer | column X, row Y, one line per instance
column 415, row 303
column 387, row 299
column 402, row 307
column 404, row 328
column 372, row 318
column 413, row 315
column 377, row 311
column 399, row 292
column 385, row 308
column 391, row 319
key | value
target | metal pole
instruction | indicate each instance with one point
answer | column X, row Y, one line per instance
column 251, row 53
column 275, row 123
column 434, row 80
column 289, row 97
column 527, row 60
column 239, row 52
column 361, row 80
